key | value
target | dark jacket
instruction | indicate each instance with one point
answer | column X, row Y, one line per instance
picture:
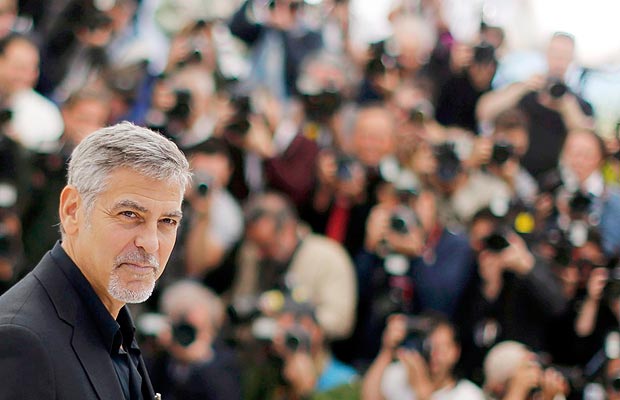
column 50, row 346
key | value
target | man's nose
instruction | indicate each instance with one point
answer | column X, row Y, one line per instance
column 148, row 238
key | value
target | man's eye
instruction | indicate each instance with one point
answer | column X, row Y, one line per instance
column 129, row 214
column 170, row 221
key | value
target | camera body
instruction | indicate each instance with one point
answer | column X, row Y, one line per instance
column 297, row 338
column 556, row 88
column 448, row 162
column 202, row 182
column 239, row 123
column 418, row 330
column 484, row 53
column 183, row 332
column 502, row 152
column 496, row 241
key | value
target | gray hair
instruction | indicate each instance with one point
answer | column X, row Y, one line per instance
column 124, row 145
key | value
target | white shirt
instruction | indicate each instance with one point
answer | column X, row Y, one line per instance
column 395, row 386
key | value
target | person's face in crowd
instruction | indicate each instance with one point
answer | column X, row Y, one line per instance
column 612, row 371
column 274, row 236
column 97, row 37
column 8, row 14
column 217, row 166
column 373, row 137
column 582, row 155
column 560, row 54
column 284, row 13
column 479, row 230
column 84, row 117
column 517, row 137
column 122, row 13
column 445, row 352
column 122, row 244
column 19, row 66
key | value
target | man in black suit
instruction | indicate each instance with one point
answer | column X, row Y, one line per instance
column 65, row 332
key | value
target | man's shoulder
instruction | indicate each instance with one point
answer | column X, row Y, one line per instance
column 32, row 301
column 321, row 246
column 23, row 303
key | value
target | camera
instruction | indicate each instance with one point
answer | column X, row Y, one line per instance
column 484, row 53
column 344, row 167
column 183, row 333
column 502, row 152
column 203, row 183
column 449, row 164
column 403, row 219
column 612, row 288
column 182, row 106
column 239, row 123
column 321, row 106
column 557, row 88
column 421, row 112
column 297, row 338
column 418, row 329
column 580, row 203
column 496, row 241
column 5, row 115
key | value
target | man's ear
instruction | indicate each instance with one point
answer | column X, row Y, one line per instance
column 70, row 204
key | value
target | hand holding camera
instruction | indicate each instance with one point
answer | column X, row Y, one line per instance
column 417, row 372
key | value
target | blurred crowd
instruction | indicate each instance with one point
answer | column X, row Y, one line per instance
column 392, row 221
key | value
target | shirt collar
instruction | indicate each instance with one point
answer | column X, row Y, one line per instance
column 113, row 332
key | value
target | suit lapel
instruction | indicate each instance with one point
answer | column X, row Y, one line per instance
column 95, row 360
column 86, row 340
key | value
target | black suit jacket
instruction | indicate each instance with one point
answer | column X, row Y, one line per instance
column 50, row 347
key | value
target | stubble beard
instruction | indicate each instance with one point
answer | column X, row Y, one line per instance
column 121, row 290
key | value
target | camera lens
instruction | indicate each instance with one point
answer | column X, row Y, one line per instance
column 557, row 90
column 184, row 333
column 496, row 242
column 398, row 224
column 203, row 188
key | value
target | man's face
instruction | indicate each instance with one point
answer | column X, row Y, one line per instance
column 445, row 352
column 84, row 117
column 19, row 66
column 217, row 166
column 374, row 136
column 582, row 155
column 560, row 54
column 124, row 243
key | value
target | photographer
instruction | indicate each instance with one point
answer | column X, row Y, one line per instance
column 301, row 360
column 584, row 199
column 550, row 107
column 215, row 217
column 19, row 71
column 278, row 253
column 346, row 183
column 509, row 141
column 195, row 363
column 411, row 264
column 514, row 297
column 513, row 372
column 459, row 95
column 279, row 38
column 424, row 371
column 184, row 105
